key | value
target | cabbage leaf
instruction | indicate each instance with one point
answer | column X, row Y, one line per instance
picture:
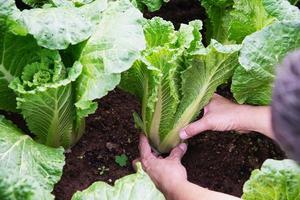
column 276, row 180
column 28, row 170
column 132, row 187
column 261, row 52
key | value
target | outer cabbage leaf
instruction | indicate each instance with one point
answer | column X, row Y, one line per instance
column 282, row 10
column 28, row 170
column 167, row 79
column 46, row 100
column 55, row 28
column 276, row 180
column 132, row 187
column 261, row 52
column 230, row 21
column 112, row 49
column 35, row 3
column 294, row 2
column 247, row 17
column 152, row 5
column 218, row 12
column 16, row 53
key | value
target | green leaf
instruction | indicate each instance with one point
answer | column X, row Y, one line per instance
column 205, row 71
column 121, row 160
column 35, row 3
column 28, row 170
column 282, row 10
column 158, row 32
column 218, row 12
column 132, row 187
column 55, row 28
column 16, row 53
column 294, row 2
column 112, row 49
column 276, row 180
column 247, row 17
column 46, row 100
column 260, row 54
column 152, row 5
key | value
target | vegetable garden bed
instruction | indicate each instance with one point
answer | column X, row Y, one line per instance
column 218, row 161
column 223, row 166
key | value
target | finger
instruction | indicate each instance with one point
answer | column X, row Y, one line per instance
column 155, row 153
column 134, row 163
column 144, row 147
column 178, row 152
column 194, row 129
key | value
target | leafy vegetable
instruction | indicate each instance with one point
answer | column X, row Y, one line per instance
column 71, row 26
column 176, row 78
column 133, row 187
column 230, row 21
column 276, row 180
column 52, row 89
column 28, row 170
column 261, row 52
column 108, row 53
column 151, row 5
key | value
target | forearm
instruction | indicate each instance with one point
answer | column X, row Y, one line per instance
column 190, row 191
column 256, row 118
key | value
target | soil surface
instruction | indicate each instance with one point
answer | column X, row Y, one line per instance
column 219, row 161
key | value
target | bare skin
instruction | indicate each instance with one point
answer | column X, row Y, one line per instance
column 220, row 114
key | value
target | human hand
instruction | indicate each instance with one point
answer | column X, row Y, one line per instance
column 220, row 114
column 167, row 172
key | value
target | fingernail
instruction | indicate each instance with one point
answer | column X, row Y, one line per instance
column 183, row 147
column 183, row 135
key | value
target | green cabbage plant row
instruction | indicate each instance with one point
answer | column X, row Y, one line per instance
column 59, row 56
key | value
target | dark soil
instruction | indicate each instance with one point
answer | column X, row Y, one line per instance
column 110, row 132
column 219, row 161
column 179, row 11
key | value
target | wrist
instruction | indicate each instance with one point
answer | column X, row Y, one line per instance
column 173, row 190
column 255, row 118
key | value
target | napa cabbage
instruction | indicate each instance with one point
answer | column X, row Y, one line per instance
column 175, row 78
column 57, row 59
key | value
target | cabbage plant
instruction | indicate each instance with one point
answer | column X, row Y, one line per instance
column 275, row 180
column 59, row 56
column 175, row 78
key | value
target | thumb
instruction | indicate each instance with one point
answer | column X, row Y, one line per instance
column 178, row 152
column 194, row 129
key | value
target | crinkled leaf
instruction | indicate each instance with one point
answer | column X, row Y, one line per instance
column 218, row 12
column 189, row 36
column 112, row 49
column 17, row 52
column 48, row 104
column 247, row 17
column 152, row 5
column 158, row 32
column 28, row 170
column 132, row 187
column 276, row 180
column 55, row 27
column 282, row 10
column 261, row 52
